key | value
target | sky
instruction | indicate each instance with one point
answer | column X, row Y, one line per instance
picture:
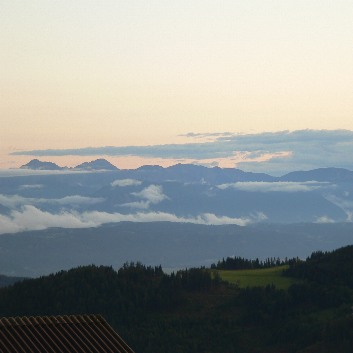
column 199, row 81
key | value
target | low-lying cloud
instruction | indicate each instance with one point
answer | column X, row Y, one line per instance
column 5, row 173
column 324, row 219
column 281, row 186
column 345, row 204
column 31, row 186
column 141, row 205
column 152, row 193
column 32, row 218
column 13, row 201
column 75, row 200
column 125, row 182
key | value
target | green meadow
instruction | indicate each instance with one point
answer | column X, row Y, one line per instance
column 258, row 277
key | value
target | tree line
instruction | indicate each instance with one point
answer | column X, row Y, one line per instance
column 194, row 311
column 240, row 263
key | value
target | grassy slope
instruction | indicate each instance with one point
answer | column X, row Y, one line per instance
column 258, row 277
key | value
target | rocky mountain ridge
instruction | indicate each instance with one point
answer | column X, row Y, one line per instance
column 197, row 173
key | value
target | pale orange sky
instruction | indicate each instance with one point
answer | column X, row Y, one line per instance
column 116, row 73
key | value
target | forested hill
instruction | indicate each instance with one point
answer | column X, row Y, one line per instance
column 329, row 268
column 194, row 311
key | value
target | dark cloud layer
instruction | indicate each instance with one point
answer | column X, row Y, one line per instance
column 305, row 149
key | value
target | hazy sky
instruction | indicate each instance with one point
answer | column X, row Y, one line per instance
column 77, row 74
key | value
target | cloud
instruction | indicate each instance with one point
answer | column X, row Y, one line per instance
column 32, row 218
column 207, row 135
column 31, row 186
column 349, row 216
column 210, row 218
column 272, row 152
column 126, row 182
column 14, row 201
column 27, row 172
column 153, row 194
column 75, row 200
column 324, row 219
column 345, row 204
column 142, row 205
column 281, row 186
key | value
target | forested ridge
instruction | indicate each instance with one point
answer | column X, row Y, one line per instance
column 194, row 311
column 240, row 263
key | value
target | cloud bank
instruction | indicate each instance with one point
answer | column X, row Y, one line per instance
column 272, row 152
column 281, row 186
column 13, row 201
column 31, row 186
column 32, row 218
column 5, row 173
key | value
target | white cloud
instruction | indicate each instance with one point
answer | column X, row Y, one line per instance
column 31, row 186
column 210, row 218
column 349, row 216
column 76, row 200
column 26, row 172
column 14, row 201
column 345, row 205
column 32, row 218
column 153, row 194
column 126, row 182
column 142, row 205
column 283, row 186
column 324, row 219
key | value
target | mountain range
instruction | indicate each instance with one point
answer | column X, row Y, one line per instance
column 198, row 173
column 183, row 215
column 98, row 164
column 181, row 193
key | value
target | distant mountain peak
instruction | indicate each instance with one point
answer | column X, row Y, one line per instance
column 98, row 164
column 320, row 174
column 36, row 164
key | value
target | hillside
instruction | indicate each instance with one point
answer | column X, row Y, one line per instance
column 188, row 311
column 326, row 268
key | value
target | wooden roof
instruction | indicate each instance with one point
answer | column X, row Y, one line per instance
column 60, row 334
